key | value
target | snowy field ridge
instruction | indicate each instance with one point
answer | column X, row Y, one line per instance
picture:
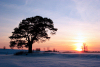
column 8, row 59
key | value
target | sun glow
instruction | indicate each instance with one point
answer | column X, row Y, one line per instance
column 80, row 39
column 79, row 46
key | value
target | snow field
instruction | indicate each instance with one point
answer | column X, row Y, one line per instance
column 50, row 60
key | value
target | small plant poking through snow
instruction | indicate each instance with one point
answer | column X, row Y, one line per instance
column 19, row 53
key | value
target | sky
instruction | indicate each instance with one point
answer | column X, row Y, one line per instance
column 77, row 21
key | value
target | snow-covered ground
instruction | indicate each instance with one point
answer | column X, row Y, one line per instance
column 7, row 59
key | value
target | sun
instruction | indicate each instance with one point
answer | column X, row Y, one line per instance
column 78, row 46
column 79, row 49
column 79, row 39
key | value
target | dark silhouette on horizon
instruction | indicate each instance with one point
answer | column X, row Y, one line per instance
column 4, row 47
column 84, row 48
column 31, row 30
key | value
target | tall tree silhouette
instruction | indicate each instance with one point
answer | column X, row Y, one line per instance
column 31, row 30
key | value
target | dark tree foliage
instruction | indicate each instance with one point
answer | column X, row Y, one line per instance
column 31, row 30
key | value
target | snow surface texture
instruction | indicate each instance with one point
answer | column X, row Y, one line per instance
column 7, row 59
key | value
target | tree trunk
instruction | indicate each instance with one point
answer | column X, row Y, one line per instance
column 30, row 48
column 30, row 44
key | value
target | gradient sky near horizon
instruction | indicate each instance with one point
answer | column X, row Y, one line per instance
column 78, row 21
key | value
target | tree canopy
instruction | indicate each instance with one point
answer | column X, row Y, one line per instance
column 31, row 30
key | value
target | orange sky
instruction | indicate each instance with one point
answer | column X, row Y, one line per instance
column 78, row 22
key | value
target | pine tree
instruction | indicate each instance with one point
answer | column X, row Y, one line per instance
column 31, row 30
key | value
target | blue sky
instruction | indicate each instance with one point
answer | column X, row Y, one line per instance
column 75, row 19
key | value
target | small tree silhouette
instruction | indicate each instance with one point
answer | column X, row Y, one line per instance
column 4, row 47
column 31, row 30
